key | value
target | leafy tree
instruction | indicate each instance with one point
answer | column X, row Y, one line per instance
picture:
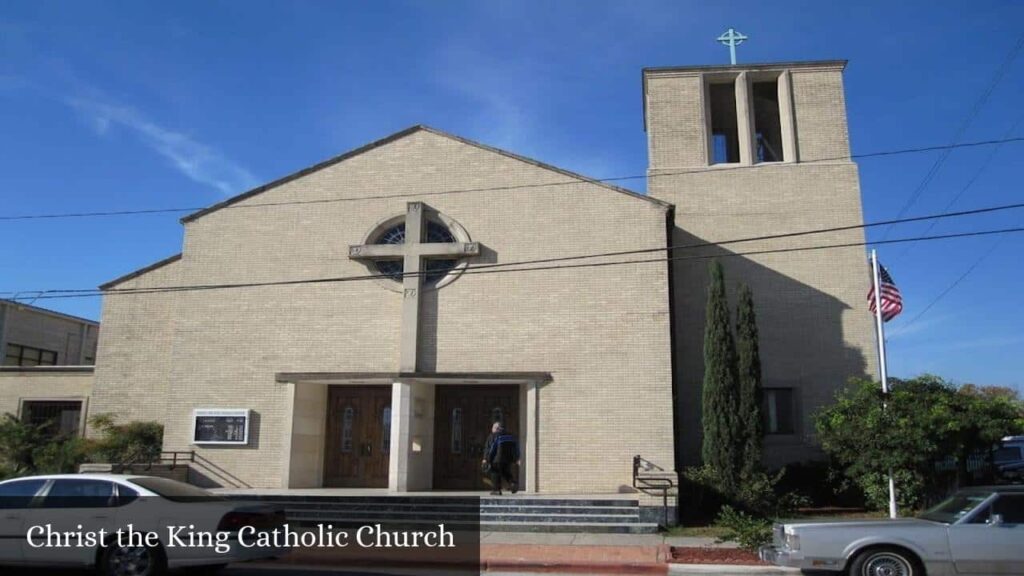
column 720, row 400
column 751, row 429
column 926, row 421
column 19, row 445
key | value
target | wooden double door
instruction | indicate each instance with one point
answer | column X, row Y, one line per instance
column 358, row 444
column 463, row 416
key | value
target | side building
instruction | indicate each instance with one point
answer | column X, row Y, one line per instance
column 47, row 372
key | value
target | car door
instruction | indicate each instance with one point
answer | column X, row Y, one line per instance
column 15, row 499
column 981, row 546
column 73, row 505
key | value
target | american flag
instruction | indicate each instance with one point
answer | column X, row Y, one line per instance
column 892, row 301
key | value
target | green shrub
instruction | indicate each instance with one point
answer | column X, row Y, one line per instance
column 27, row 449
column 61, row 455
column 20, row 443
column 132, row 441
column 750, row 532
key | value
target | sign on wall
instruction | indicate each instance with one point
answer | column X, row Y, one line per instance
column 220, row 426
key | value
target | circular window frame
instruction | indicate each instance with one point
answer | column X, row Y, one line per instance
column 453, row 226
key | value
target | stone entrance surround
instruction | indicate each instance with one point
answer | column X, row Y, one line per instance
column 412, row 423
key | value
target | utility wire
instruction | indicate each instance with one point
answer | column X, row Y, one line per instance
column 848, row 227
column 974, row 178
column 964, row 125
column 954, row 284
column 509, row 187
column 482, row 270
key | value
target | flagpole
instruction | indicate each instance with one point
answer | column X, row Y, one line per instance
column 883, row 370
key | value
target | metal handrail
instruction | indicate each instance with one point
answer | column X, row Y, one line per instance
column 173, row 455
column 661, row 483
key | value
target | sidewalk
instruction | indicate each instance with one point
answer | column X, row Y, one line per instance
column 565, row 553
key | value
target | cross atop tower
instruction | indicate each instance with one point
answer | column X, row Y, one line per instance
column 732, row 39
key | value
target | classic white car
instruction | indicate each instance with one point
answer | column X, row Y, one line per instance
column 977, row 531
column 126, row 524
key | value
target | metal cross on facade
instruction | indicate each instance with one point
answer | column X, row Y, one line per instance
column 732, row 39
column 412, row 253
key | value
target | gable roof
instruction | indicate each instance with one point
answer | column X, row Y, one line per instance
column 141, row 271
column 397, row 136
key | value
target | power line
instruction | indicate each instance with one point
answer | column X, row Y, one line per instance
column 973, row 212
column 964, row 125
column 486, row 268
column 970, row 182
column 955, row 283
column 503, row 188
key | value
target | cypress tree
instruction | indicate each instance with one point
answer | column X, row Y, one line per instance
column 751, row 429
column 720, row 395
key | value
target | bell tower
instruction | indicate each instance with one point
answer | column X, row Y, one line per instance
column 753, row 150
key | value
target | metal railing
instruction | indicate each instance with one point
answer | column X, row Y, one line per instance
column 171, row 457
column 662, row 483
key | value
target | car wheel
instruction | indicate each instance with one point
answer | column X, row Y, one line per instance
column 885, row 562
column 132, row 561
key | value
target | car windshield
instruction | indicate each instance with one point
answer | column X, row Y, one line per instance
column 955, row 507
column 175, row 491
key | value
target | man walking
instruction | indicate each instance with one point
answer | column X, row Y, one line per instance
column 501, row 451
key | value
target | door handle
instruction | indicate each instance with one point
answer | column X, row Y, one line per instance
column 12, row 517
column 100, row 517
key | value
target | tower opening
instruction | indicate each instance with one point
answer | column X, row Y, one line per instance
column 767, row 124
column 725, row 142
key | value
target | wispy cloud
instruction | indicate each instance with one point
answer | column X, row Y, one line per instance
column 197, row 161
column 498, row 90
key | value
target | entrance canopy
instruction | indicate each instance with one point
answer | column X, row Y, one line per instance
column 426, row 429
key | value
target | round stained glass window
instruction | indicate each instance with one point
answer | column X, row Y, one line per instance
column 434, row 269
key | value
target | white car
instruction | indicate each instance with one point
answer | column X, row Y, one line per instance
column 977, row 531
column 126, row 524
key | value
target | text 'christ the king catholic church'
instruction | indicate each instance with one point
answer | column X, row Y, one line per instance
column 393, row 381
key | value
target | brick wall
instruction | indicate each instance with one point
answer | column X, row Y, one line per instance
column 73, row 340
column 602, row 332
column 814, row 325
column 43, row 384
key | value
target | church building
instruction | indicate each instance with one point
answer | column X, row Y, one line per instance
column 362, row 322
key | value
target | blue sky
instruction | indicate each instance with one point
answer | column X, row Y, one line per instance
column 132, row 105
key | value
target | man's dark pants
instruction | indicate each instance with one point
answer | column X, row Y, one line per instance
column 502, row 471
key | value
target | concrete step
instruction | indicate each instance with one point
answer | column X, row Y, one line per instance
column 385, row 508
column 506, row 514
column 439, row 517
column 443, row 500
column 602, row 528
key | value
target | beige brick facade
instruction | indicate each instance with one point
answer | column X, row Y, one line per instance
column 72, row 339
column 44, row 384
column 815, row 329
column 603, row 337
column 602, row 333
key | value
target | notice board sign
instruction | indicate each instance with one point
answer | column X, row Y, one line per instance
column 220, row 426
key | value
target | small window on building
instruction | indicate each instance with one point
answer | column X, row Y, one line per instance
column 725, row 142
column 456, row 430
column 18, row 355
column 779, row 415
column 347, row 421
column 56, row 417
column 385, row 439
column 767, row 124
